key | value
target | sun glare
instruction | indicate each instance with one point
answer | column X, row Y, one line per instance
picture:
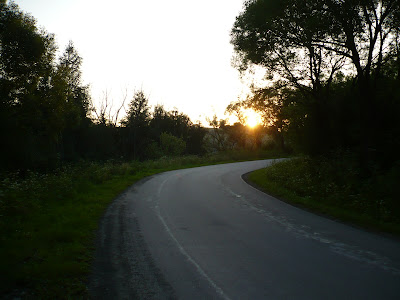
column 252, row 118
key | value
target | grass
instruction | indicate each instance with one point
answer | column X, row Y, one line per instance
column 333, row 187
column 48, row 221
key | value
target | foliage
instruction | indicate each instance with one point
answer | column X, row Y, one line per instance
column 269, row 103
column 236, row 137
column 172, row 122
column 45, row 108
column 138, row 112
column 137, row 125
column 41, row 100
column 171, row 145
column 332, row 185
column 217, row 139
column 68, row 81
column 306, row 42
column 330, row 66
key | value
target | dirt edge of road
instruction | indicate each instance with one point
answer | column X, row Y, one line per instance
column 122, row 266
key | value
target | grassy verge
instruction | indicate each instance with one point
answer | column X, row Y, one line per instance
column 334, row 188
column 48, row 222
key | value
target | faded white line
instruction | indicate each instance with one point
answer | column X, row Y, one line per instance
column 183, row 251
column 338, row 247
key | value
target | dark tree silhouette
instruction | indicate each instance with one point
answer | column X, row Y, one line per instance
column 306, row 45
column 45, row 109
column 41, row 100
column 137, row 123
column 26, row 69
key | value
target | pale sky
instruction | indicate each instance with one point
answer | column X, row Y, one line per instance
column 177, row 51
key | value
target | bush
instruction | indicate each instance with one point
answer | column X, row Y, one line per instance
column 172, row 145
column 334, row 184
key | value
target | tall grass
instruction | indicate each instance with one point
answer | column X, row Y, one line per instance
column 333, row 185
column 46, row 223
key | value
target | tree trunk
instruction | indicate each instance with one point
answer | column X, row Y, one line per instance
column 367, row 134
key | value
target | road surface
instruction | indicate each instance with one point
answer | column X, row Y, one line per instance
column 204, row 233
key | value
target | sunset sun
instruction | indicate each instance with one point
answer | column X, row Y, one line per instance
column 252, row 118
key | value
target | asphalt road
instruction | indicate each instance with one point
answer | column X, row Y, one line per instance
column 204, row 233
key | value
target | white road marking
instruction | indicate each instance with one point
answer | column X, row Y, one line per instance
column 338, row 247
column 183, row 251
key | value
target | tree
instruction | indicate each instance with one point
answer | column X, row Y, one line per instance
column 43, row 104
column 26, row 55
column 365, row 32
column 138, row 114
column 68, row 88
column 137, row 122
column 172, row 122
column 308, row 41
column 218, row 139
column 269, row 103
column 76, row 95
column 305, row 44
column 104, row 114
column 180, row 126
column 195, row 139
column 172, row 145
column 278, row 36
column 29, row 118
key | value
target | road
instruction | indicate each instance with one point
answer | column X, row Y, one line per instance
column 204, row 233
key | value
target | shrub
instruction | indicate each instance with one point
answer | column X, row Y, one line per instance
column 172, row 145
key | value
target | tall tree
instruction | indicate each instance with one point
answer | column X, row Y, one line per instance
column 364, row 32
column 68, row 88
column 305, row 43
column 137, row 124
column 39, row 99
column 76, row 94
column 277, row 35
column 26, row 66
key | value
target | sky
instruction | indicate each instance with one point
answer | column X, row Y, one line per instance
column 176, row 51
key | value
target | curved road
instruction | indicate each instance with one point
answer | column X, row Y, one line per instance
column 204, row 233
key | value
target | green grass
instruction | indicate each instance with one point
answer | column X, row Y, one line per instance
column 333, row 187
column 48, row 221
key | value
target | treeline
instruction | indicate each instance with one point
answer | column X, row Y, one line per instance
column 46, row 115
column 222, row 137
column 333, row 70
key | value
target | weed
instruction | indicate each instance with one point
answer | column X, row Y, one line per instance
column 333, row 185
